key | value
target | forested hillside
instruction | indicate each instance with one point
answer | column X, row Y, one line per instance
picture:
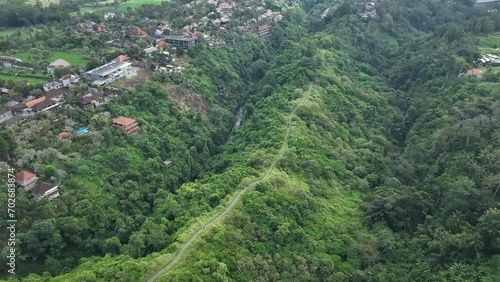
column 392, row 171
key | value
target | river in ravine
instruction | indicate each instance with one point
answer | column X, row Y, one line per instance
column 239, row 117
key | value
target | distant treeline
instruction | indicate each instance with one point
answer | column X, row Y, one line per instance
column 17, row 13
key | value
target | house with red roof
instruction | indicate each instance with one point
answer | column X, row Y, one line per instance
column 130, row 126
column 25, row 178
column 122, row 58
column 473, row 72
column 136, row 32
column 162, row 45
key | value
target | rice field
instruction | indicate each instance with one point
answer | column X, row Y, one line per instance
column 44, row 2
column 135, row 3
column 490, row 41
column 23, row 78
column 72, row 58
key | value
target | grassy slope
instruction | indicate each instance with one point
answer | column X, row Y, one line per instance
column 308, row 210
column 6, row 32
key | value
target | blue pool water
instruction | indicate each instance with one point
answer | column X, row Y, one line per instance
column 82, row 130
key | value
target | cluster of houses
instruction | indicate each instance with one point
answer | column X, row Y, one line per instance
column 369, row 11
column 89, row 28
column 260, row 25
column 489, row 60
column 39, row 190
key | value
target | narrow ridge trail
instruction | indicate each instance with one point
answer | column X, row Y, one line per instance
column 238, row 196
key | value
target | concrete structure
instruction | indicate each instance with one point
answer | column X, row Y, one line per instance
column 128, row 125
column 53, row 85
column 45, row 189
column 109, row 72
column 167, row 163
column 25, row 178
column 69, row 79
column 181, row 41
column 263, row 30
column 5, row 114
column 150, row 50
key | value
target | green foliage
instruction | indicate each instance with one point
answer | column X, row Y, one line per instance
column 391, row 172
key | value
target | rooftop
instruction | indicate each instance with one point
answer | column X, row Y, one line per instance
column 475, row 72
column 13, row 120
column 42, row 188
column 181, row 38
column 69, row 76
column 44, row 104
column 109, row 68
column 55, row 92
column 32, row 103
column 24, row 176
column 123, row 121
column 4, row 111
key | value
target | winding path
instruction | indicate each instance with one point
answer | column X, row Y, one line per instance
column 235, row 200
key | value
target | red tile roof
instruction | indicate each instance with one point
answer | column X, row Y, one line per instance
column 122, row 58
column 136, row 31
column 162, row 44
column 24, row 176
column 475, row 72
column 32, row 103
column 123, row 121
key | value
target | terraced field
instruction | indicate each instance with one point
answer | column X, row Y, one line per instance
column 44, row 2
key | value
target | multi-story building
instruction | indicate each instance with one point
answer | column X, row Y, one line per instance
column 25, row 178
column 181, row 41
column 130, row 126
column 109, row 72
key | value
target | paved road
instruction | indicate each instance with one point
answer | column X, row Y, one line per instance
column 235, row 200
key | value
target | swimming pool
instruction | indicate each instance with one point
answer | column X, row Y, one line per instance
column 82, row 130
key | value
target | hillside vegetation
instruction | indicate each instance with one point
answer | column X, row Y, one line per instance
column 392, row 171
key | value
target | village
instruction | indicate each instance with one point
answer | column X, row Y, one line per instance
column 164, row 49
